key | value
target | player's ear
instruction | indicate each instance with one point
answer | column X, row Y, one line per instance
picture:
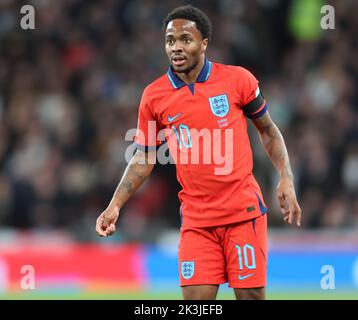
column 204, row 44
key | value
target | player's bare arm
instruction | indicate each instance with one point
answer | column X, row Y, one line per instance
column 275, row 147
column 138, row 169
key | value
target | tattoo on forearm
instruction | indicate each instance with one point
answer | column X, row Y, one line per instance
column 128, row 187
column 134, row 175
column 275, row 146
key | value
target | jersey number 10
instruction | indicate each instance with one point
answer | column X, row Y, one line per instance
column 183, row 136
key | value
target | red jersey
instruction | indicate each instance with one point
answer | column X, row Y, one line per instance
column 206, row 132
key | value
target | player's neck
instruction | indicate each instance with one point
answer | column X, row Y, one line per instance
column 193, row 74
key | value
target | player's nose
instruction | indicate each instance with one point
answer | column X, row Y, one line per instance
column 177, row 47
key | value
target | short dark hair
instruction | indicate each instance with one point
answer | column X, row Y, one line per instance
column 191, row 13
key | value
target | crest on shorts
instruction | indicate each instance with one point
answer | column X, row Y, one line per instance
column 187, row 269
column 219, row 105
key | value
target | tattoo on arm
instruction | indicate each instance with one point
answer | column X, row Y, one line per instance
column 274, row 144
column 138, row 169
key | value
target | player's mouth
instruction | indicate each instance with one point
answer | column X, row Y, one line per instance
column 178, row 61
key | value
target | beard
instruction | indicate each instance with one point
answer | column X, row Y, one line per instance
column 187, row 69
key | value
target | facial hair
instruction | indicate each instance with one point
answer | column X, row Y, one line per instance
column 189, row 68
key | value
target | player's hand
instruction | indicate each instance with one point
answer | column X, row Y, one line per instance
column 288, row 202
column 105, row 225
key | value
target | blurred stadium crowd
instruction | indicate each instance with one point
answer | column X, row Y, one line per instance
column 69, row 91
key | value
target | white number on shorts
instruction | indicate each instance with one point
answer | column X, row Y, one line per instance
column 245, row 251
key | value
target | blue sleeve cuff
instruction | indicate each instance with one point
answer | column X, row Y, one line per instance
column 259, row 114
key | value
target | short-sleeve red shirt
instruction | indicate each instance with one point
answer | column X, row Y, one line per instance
column 206, row 132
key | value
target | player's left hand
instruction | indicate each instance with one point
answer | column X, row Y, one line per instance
column 288, row 202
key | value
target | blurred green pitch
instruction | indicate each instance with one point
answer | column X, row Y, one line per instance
column 175, row 295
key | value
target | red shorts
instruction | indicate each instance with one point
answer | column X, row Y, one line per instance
column 234, row 253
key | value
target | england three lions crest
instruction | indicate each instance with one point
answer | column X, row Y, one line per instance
column 219, row 105
column 187, row 269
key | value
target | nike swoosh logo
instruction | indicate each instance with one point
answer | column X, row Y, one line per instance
column 245, row 277
column 171, row 119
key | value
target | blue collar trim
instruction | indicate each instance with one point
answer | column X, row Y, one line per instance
column 203, row 76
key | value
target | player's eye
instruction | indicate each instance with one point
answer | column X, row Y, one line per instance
column 170, row 41
column 187, row 40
